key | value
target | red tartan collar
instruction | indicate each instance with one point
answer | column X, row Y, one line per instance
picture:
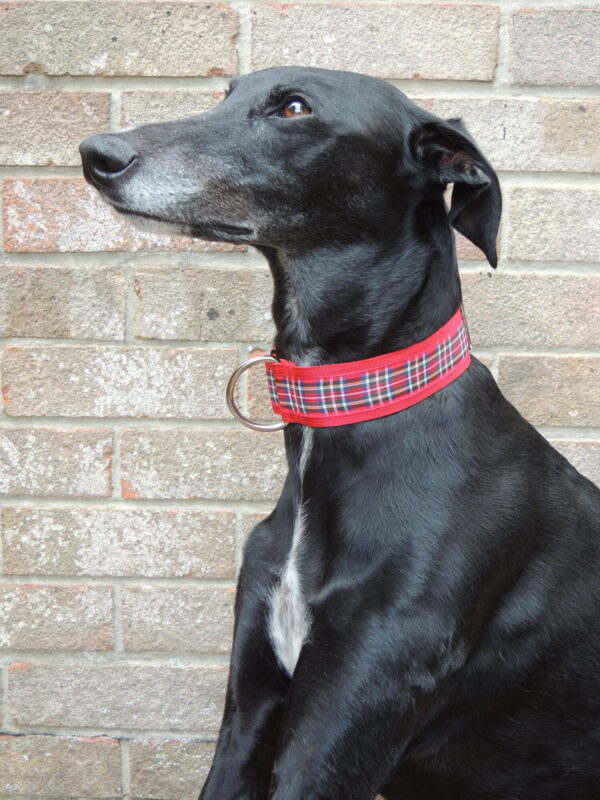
column 354, row 391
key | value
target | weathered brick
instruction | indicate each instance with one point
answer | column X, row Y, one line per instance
column 392, row 41
column 62, row 302
column 55, row 461
column 67, row 215
column 532, row 310
column 118, row 38
column 163, row 768
column 204, row 464
column 116, row 542
column 555, row 46
column 110, row 696
column 186, row 618
column 553, row 390
column 203, row 304
column 55, row 123
column 584, row 455
column 60, row 766
column 56, row 617
column 116, row 381
column 554, row 224
column 544, row 134
column 140, row 107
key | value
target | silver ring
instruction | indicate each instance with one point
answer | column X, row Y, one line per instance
column 249, row 423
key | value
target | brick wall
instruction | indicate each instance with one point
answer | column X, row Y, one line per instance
column 126, row 490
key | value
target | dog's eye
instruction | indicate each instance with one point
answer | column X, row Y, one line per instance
column 295, row 108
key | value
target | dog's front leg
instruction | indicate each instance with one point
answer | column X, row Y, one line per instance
column 355, row 702
column 256, row 692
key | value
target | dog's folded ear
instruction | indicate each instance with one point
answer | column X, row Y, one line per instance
column 447, row 151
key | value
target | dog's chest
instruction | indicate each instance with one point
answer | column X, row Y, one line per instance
column 289, row 619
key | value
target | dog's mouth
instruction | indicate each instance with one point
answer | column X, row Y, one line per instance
column 206, row 229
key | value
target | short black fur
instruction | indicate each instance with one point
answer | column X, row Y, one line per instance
column 451, row 556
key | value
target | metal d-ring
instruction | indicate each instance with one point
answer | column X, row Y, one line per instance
column 249, row 423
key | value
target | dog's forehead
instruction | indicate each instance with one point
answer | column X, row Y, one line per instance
column 327, row 83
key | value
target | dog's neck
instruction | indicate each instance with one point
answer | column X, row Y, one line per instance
column 337, row 303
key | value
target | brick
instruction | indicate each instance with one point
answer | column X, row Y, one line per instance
column 583, row 454
column 406, row 40
column 55, row 123
column 140, row 107
column 182, row 619
column 203, row 304
column 202, row 464
column 62, row 302
column 554, row 224
column 56, row 617
column 555, row 46
column 118, row 38
column 116, row 381
column 532, row 310
column 529, row 134
column 72, row 462
column 110, row 696
column 163, row 768
column 553, row 390
column 118, row 542
column 66, row 215
column 60, row 766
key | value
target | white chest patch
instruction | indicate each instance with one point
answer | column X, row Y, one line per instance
column 289, row 619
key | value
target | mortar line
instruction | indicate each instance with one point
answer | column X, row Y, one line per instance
column 239, row 543
column 117, row 619
column 2, row 218
column 130, row 304
column 120, row 424
column 518, row 177
column 115, row 465
column 502, row 77
column 242, row 351
column 438, row 87
column 125, row 770
column 122, row 734
column 112, row 658
column 6, row 720
column 213, row 259
column 117, row 581
column 150, row 504
column 243, row 44
column 124, row 344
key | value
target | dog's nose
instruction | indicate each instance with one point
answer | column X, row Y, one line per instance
column 106, row 157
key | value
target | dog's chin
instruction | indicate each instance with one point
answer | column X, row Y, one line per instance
column 215, row 232
column 149, row 224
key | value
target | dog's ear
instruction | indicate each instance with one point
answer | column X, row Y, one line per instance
column 446, row 150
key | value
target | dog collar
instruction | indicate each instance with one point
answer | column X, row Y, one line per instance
column 354, row 391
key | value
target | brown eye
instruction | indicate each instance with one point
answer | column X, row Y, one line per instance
column 295, row 108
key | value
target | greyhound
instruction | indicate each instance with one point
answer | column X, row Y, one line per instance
column 419, row 616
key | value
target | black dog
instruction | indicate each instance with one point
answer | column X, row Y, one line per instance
column 420, row 614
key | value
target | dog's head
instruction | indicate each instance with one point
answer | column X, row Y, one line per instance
column 294, row 157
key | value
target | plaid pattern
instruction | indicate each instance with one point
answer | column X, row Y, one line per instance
column 341, row 393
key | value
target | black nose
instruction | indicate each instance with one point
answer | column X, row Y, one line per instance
column 106, row 157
